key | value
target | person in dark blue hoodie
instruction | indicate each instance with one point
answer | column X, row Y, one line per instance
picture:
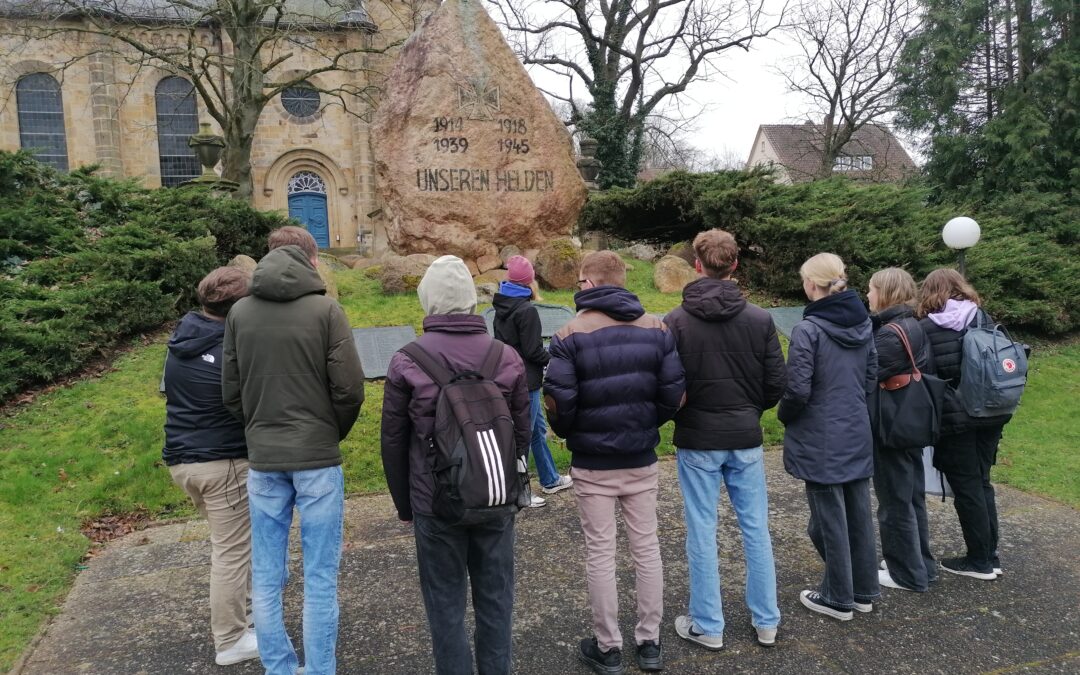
column 832, row 367
column 613, row 379
column 207, row 457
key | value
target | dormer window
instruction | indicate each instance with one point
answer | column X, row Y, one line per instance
column 853, row 163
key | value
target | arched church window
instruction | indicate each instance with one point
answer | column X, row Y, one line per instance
column 41, row 119
column 307, row 181
column 177, row 120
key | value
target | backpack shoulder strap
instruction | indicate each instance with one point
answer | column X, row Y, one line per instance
column 491, row 361
column 427, row 363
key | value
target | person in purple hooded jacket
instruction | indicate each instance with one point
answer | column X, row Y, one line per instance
column 452, row 557
column 832, row 368
column 968, row 446
column 614, row 377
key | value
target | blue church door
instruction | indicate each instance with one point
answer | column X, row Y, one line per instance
column 307, row 204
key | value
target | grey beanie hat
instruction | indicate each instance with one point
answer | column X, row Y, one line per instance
column 447, row 288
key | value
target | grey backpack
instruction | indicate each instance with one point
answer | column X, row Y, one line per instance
column 993, row 370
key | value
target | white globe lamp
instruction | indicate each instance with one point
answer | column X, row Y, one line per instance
column 961, row 233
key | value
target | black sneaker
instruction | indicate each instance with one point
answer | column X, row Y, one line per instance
column 813, row 601
column 650, row 656
column 605, row 663
column 964, row 567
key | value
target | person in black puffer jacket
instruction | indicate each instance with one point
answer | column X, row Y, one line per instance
column 613, row 379
column 207, row 457
column 517, row 323
column 967, row 447
column 832, row 367
column 898, row 472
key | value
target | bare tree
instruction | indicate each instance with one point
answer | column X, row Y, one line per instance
column 634, row 58
column 850, row 52
column 238, row 54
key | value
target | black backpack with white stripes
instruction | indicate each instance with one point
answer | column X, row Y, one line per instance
column 473, row 457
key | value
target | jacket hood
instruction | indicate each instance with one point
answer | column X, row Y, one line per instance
column 195, row 335
column 455, row 323
column 514, row 290
column 713, row 299
column 891, row 314
column 507, row 303
column 285, row 274
column 615, row 301
column 843, row 318
column 955, row 315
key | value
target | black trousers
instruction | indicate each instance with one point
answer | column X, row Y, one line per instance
column 842, row 529
column 451, row 559
column 965, row 459
column 905, row 537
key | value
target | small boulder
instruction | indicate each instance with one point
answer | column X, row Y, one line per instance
column 488, row 262
column 473, row 269
column 644, row 252
column 485, row 293
column 353, row 261
column 244, row 262
column 531, row 254
column 331, row 262
column 672, row 273
column 508, row 252
column 491, row 277
column 683, row 250
column 557, row 264
column 401, row 274
column 424, row 259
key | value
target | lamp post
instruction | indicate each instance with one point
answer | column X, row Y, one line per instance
column 960, row 234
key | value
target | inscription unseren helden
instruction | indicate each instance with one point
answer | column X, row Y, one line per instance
column 485, row 180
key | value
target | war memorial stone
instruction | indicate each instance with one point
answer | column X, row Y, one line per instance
column 470, row 157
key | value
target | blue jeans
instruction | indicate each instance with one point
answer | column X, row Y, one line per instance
column 743, row 472
column 545, row 465
column 319, row 494
column 451, row 558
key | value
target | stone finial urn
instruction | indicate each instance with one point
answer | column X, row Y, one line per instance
column 588, row 165
column 208, row 147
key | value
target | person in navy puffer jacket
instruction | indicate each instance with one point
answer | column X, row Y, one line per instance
column 832, row 367
column 206, row 453
column 614, row 377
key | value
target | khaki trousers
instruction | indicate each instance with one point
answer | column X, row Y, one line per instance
column 219, row 491
column 635, row 491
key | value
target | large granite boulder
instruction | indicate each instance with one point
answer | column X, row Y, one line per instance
column 507, row 252
column 672, row 273
column 401, row 274
column 684, row 250
column 469, row 156
column 557, row 264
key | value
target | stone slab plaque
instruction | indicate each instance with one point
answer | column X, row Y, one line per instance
column 376, row 346
column 469, row 156
column 552, row 318
column 785, row 318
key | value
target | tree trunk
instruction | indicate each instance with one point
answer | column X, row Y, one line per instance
column 1025, row 42
column 247, row 80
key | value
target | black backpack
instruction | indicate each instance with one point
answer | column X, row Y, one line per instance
column 474, row 461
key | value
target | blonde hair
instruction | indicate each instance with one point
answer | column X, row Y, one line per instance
column 941, row 285
column 604, row 268
column 826, row 271
column 894, row 286
column 717, row 252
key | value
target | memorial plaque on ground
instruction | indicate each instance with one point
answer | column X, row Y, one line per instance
column 785, row 318
column 376, row 346
column 552, row 318
column 468, row 155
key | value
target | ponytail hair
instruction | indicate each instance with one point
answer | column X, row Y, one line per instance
column 826, row 271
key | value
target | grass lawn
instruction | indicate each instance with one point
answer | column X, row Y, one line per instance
column 94, row 448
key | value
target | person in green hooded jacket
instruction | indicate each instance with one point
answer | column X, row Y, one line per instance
column 291, row 374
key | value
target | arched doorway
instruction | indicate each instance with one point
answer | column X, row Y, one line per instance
column 307, row 204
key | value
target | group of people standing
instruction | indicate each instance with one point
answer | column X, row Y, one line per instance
column 263, row 383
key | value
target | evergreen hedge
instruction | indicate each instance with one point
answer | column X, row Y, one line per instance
column 86, row 262
column 1026, row 266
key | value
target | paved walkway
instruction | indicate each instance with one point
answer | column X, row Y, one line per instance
column 142, row 605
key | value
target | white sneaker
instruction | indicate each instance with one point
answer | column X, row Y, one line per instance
column 244, row 649
column 885, row 579
column 766, row 637
column 537, row 502
column 561, row 484
column 685, row 628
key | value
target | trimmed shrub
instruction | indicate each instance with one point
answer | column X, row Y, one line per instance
column 1026, row 266
column 86, row 262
